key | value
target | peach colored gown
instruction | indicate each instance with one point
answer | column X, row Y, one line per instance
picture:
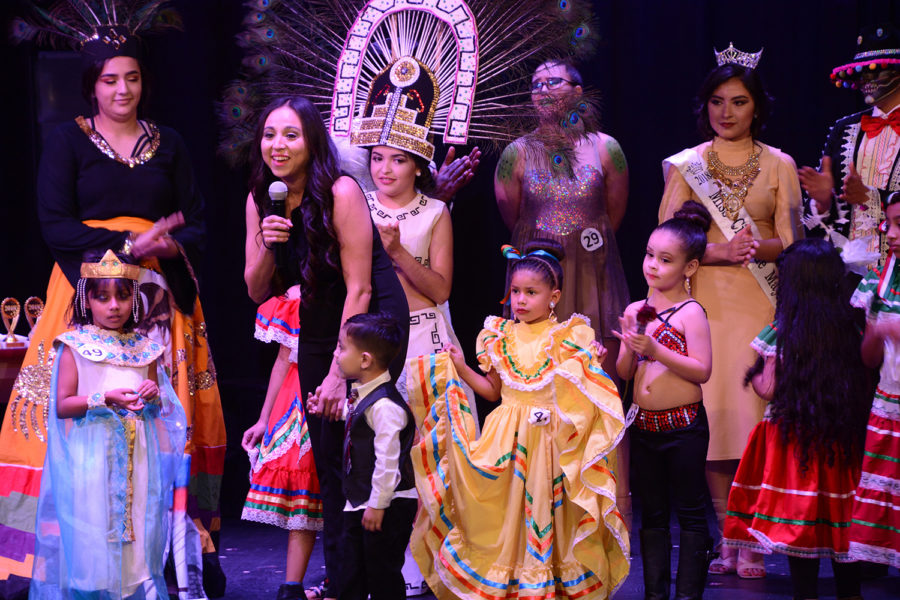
column 737, row 307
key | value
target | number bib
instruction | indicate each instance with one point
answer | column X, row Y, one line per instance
column 92, row 352
column 591, row 240
column 539, row 416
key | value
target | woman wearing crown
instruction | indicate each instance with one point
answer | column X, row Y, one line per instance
column 753, row 193
column 113, row 180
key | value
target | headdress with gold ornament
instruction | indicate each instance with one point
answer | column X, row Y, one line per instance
column 733, row 56
column 109, row 266
column 476, row 55
column 99, row 29
column 400, row 108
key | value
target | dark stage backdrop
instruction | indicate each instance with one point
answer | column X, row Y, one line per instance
column 652, row 58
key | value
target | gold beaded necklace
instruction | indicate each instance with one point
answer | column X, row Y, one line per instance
column 734, row 182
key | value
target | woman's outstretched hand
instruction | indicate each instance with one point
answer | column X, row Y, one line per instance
column 455, row 173
column 156, row 241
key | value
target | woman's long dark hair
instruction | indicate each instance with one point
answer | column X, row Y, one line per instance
column 317, row 207
column 823, row 391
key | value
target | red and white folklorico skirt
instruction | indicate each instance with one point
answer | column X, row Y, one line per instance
column 774, row 507
column 284, row 488
column 875, row 531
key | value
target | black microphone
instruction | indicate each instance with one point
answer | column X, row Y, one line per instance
column 278, row 192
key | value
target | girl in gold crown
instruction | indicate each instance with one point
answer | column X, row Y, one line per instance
column 116, row 434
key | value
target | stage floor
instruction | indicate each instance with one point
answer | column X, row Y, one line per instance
column 252, row 556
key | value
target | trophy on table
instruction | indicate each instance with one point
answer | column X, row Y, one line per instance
column 34, row 307
column 10, row 309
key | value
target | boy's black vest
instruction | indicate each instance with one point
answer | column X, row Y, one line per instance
column 359, row 447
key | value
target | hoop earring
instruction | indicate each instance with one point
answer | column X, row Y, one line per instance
column 553, row 311
column 687, row 285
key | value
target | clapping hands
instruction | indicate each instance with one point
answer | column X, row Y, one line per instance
column 156, row 241
column 639, row 343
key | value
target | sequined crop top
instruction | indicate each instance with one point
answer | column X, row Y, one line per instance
column 667, row 335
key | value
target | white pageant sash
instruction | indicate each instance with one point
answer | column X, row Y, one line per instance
column 695, row 173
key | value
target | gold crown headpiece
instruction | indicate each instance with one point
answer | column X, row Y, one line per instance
column 733, row 56
column 410, row 95
column 293, row 47
column 110, row 267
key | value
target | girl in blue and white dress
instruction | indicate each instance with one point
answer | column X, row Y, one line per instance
column 116, row 435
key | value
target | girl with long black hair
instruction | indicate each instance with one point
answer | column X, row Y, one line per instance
column 793, row 491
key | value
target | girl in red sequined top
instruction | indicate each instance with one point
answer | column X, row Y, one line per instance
column 666, row 349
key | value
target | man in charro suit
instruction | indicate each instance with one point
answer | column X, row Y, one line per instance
column 859, row 164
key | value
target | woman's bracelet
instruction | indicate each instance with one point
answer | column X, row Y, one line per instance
column 128, row 245
column 96, row 400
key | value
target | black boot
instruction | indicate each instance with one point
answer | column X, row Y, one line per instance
column 656, row 547
column 694, row 556
column 213, row 575
column 291, row 591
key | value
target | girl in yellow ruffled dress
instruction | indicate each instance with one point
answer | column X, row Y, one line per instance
column 527, row 510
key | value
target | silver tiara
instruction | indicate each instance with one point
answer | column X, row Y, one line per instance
column 733, row 56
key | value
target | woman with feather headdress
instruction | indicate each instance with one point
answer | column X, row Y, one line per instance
column 109, row 180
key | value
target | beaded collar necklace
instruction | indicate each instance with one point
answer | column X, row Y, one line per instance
column 144, row 149
column 734, row 182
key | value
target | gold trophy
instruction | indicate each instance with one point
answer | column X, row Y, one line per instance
column 34, row 306
column 10, row 308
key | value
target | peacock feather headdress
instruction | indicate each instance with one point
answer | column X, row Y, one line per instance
column 478, row 53
column 99, row 29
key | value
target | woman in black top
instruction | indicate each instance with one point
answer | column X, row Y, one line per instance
column 114, row 181
column 326, row 242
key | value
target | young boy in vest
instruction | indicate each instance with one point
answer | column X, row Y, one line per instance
column 378, row 476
